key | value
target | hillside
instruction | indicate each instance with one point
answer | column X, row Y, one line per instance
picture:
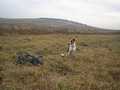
column 45, row 22
column 47, row 25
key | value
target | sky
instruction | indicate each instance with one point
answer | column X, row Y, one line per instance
column 97, row 13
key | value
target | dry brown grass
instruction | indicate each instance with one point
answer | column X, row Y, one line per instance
column 94, row 66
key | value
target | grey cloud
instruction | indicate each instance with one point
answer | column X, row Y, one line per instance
column 101, row 13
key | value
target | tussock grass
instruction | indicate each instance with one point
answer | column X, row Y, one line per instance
column 95, row 65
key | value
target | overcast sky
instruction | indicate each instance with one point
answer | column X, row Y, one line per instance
column 98, row 13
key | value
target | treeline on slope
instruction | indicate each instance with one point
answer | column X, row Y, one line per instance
column 9, row 29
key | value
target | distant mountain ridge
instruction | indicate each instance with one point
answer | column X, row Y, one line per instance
column 45, row 21
column 47, row 25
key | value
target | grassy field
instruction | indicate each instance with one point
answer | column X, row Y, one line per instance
column 95, row 65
